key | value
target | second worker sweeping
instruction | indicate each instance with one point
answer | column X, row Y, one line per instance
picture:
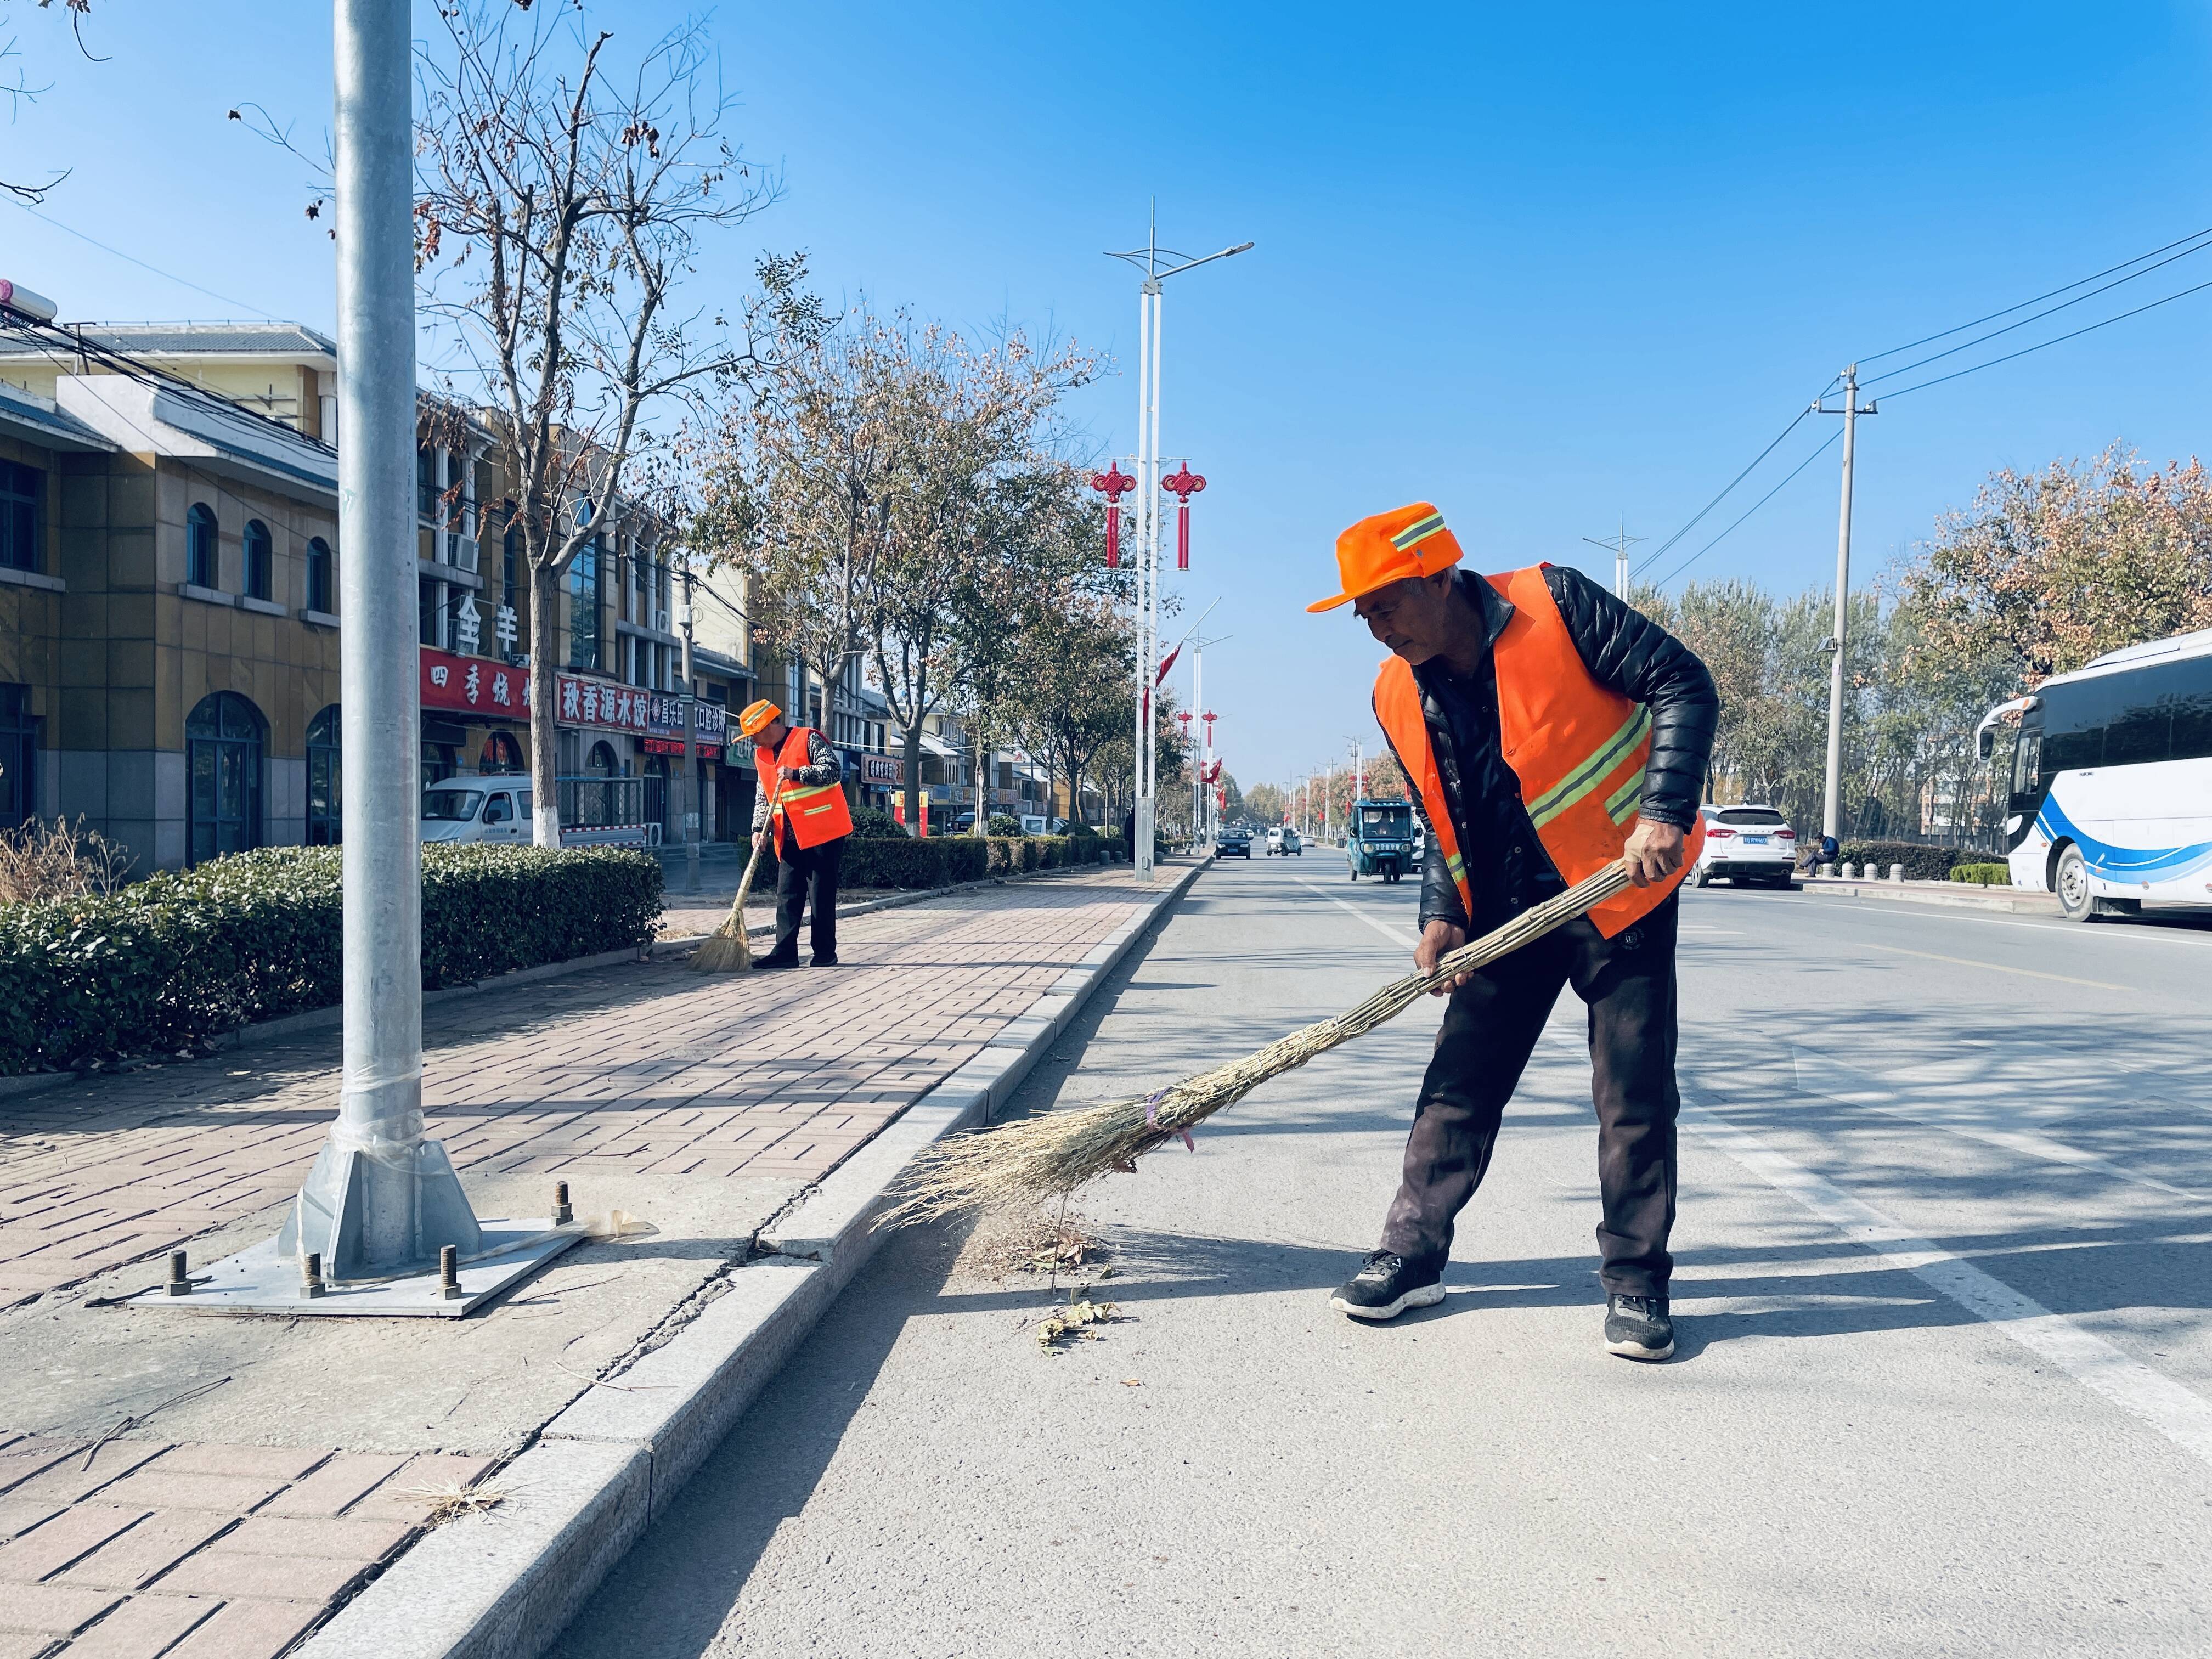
column 811, row 820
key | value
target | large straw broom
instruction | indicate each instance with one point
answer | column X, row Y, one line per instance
column 726, row 950
column 1040, row 1158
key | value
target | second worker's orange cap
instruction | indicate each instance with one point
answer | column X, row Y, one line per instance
column 1389, row 547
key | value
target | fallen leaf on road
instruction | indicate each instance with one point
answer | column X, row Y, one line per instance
column 1074, row 1322
column 1131, row 1382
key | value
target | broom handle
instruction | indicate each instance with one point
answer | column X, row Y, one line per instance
column 745, row 883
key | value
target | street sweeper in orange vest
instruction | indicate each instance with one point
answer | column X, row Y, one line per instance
column 1547, row 729
column 800, row 800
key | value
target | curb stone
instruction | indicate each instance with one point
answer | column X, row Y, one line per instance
column 1960, row 895
column 504, row 1583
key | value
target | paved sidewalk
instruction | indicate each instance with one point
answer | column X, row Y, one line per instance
column 703, row 1104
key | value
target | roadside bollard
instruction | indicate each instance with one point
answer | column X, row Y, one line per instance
column 1851, row 871
column 1897, row 872
column 1827, row 869
column 562, row 1213
column 311, row 1274
column 180, row 1282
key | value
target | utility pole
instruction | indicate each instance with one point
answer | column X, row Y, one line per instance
column 1148, row 260
column 687, row 799
column 1837, row 643
column 1619, row 545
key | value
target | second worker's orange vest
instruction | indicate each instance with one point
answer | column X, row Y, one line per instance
column 1578, row 750
column 815, row 812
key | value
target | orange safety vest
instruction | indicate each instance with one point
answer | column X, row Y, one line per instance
column 1578, row 750
column 815, row 813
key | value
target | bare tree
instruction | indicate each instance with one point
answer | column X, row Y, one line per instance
column 17, row 88
column 561, row 199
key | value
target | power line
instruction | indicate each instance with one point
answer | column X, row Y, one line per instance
column 1954, row 351
column 2060, row 340
column 1659, row 551
column 1945, row 333
column 142, row 266
column 1748, row 511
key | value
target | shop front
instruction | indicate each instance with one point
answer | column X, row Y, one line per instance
column 475, row 716
column 878, row 778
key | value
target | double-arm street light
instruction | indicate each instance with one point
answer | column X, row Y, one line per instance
column 1157, row 263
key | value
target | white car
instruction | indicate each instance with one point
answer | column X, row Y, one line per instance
column 1285, row 840
column 1747, row 844
column 496, row 810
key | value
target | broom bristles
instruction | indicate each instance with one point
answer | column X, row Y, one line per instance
column 727, row 950
column 1037, row 1159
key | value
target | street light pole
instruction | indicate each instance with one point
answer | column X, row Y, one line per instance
column 380, row 1197
column 687, row 800
column 1148, row 259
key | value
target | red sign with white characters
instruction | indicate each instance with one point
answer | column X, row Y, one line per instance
column 600, row 703
column 474, row 685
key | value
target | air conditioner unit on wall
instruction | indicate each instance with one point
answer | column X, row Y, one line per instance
column 660, row 621
column 465, row 553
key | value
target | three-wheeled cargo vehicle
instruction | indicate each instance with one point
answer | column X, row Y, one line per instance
column 1381, row 842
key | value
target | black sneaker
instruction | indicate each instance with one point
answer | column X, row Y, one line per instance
column 820, row 961
column 1387, row 1285
column 1637, row 1328
column 777, row 959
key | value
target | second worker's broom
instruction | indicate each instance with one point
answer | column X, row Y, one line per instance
column 726, row 950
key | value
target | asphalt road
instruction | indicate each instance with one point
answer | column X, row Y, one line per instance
column 1944, row 1384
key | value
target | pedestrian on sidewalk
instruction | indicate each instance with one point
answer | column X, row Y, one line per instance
column 1549, row 729
column 812, row 819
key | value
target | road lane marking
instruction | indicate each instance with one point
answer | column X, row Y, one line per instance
column 1996, row 967
column 2112, row 932
column 1847, row 1089
column 1395, row 935
column 2180, row 1415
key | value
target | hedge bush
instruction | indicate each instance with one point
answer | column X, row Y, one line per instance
column 874, row 824
column 1921, row 863
column 1983, row 875
column 940, row 861
column 186, row 954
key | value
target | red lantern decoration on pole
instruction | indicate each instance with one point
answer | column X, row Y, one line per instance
column 1183, row 484
column 1112, row 483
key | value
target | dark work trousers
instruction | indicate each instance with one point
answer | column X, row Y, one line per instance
column 807, row 875
column 1489, row 1029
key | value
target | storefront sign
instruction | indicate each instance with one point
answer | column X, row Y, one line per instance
column 597, row 703
column 675, row 746
column 474, row 685
column 882, row 771
column 665, row 718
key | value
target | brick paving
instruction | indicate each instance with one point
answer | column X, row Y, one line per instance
column 132, row 1550
column 645, row 1068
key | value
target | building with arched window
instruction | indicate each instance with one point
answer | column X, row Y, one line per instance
column 202, row 547
column 225, row 743
column 326, row 779
column 258, row 555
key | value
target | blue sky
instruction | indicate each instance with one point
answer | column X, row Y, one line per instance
column 1547, row 267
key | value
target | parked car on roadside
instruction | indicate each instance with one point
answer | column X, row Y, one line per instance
column 1747, row 844
column 1285, row 840
column 468, row 810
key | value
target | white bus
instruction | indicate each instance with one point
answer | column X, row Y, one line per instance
column 2111, row 805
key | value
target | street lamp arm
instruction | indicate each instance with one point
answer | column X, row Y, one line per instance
column 1176, row 271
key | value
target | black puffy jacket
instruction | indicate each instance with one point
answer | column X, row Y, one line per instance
column 1626, row 652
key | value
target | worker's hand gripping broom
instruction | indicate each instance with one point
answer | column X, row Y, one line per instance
column 726, row 949
column 1043, row 1157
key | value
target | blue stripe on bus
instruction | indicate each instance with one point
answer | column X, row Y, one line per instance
column 2122, row 863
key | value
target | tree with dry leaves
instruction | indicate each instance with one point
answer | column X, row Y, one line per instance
column 563, row 191
column 17, row 88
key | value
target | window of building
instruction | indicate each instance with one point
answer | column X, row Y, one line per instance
column 199, row 545
column 502, row 753
column 322, row 577
column 20, row 490
column 259, row 548
column 440, row 761
column 585, row 647
column 325, row 774
column 510, row 563
column 430, row 611
column 19, row 757
column 224, row 745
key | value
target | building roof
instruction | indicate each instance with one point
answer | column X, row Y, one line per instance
column 41, row 421
column 247, row 339
column 142, row 417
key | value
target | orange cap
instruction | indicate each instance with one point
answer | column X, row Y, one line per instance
column 756, row 717
column 1407, row 541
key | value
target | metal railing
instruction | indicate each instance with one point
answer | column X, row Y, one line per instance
column 631, row 810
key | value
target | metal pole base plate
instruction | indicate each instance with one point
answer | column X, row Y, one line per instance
column 264, row 1279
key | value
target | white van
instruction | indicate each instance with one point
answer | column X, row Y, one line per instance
column 488, row 809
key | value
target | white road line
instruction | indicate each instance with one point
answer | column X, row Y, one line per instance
column 1395, row 935
column 2111, row 933
column 2181, row 1416
column 1995, row 967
